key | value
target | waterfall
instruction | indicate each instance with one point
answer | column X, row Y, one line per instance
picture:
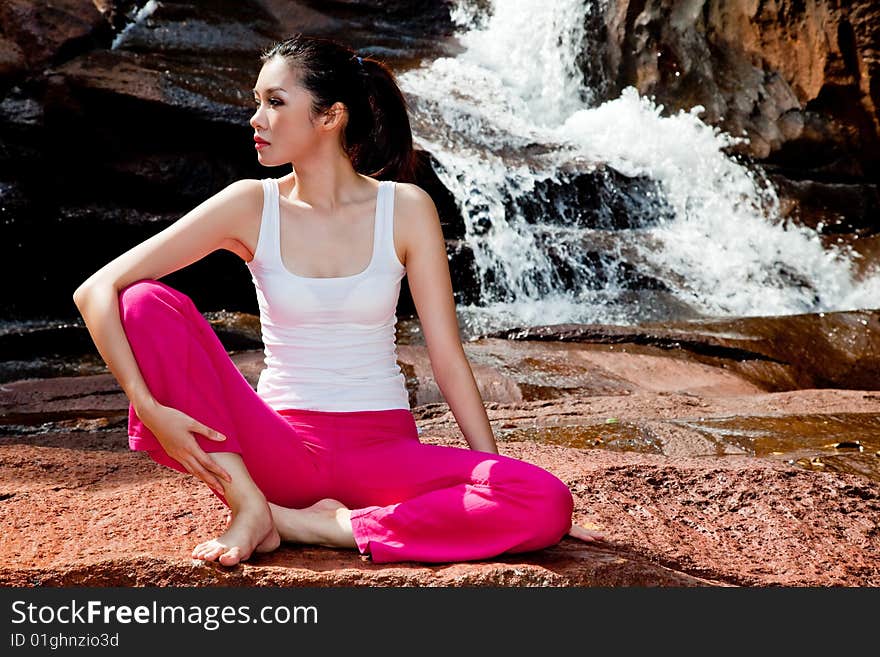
column 602, row 213
column 140, row 15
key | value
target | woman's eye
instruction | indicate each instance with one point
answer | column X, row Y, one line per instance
column 272, row 101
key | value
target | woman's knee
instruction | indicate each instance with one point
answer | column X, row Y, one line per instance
column 551, row 504
column 148, row 296
column 560, row 506
column 543, row 497
column 556, row 507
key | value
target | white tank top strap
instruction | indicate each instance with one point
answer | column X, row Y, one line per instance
column 268, row 224
column 386, row 255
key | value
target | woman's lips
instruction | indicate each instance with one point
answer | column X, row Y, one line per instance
column 260, row 143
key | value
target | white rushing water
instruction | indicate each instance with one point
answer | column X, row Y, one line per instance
column 140, row 16
column 511, row 113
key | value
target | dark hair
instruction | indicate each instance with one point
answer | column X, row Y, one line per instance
column 378, row 136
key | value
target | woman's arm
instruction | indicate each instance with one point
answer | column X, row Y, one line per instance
column 209, row 226
column 427, row 270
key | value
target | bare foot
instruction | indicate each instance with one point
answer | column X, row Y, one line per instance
column 262, row 547
column 584, row 534
column 249, row 530
column 327, row 523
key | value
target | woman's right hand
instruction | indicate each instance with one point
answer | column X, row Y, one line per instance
column 174, row 430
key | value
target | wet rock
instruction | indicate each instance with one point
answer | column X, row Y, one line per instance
column 831, row 208
column 447, row 207
column 835, row 349
column 179, row 71
column 402, row 32
column 602, row 198
column 58, row 348
column 597, row 198
column 219, row 27
column 179, row 84
column 37, row 33
column 399, row 32
column 791, row 352
column 12, row 59
column 797, row 80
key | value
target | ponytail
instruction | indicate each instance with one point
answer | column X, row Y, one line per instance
column 378, row 135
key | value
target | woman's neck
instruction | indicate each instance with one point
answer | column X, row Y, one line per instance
column 327, row 185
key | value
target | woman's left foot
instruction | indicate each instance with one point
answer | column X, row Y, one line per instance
column 326, row 523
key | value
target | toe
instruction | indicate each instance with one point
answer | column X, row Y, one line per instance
column 231, row 557
column 584, row 534
column 199, row 550
column 217, row 551
column 209, row 551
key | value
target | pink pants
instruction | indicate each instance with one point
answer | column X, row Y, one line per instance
column 409, row 501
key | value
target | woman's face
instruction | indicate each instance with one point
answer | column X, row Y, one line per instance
column 282, row 115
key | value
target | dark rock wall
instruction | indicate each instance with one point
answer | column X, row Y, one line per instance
column 112, row 128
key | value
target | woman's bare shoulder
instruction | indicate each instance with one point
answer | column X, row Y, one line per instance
column 411, row 193
column 416, row 220
column 248, row 188
column 414, row 205
column 241, row 194
column 246, row 197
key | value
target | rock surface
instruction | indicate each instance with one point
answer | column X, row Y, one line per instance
column 662, row 451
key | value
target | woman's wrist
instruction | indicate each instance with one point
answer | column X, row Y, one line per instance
column 144, row 406
column 487, row 445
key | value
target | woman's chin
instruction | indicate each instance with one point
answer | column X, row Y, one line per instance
column 266, row 161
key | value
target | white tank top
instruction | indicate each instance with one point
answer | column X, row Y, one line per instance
column 329, row 342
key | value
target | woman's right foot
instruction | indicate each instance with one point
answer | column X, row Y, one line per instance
column 326, row 523
column 251, row 529
column 586, row 535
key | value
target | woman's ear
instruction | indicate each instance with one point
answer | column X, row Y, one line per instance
column 335, row 115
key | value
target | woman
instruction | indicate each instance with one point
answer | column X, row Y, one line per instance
column 326, row 450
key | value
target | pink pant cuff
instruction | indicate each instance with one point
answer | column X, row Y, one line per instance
column 361, row 528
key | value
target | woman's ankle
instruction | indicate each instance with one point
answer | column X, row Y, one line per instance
column 250, row 501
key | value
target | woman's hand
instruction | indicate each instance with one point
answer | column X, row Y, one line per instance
column 173, row 429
